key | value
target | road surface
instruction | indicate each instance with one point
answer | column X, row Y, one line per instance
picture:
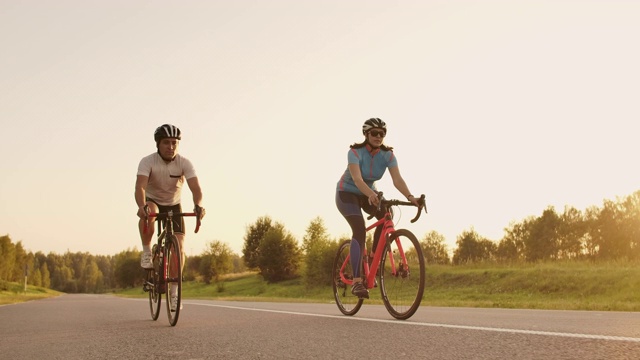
column 110, row 327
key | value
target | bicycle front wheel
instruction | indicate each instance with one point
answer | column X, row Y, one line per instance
column 403, row 275
column 348, row 303
column 173, row 279
column 155, row 298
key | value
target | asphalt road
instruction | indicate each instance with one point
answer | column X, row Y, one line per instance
column 109, row 327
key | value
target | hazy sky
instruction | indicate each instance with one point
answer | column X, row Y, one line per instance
column 496, row 109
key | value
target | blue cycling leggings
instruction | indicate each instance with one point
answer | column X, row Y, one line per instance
column 350, row 206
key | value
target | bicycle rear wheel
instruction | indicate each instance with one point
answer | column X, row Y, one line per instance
column 347, row 302
column 402, row 284
column 155, row 296
column 174, row 277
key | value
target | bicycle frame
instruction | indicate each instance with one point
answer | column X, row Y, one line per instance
column 164, row 218
column 167, row 265
column 388, row 228
column 396, row 265
column 165, row 228
column 371, row 269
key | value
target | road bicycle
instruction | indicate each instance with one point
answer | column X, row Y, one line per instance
column 167, row 266
column 397, row 261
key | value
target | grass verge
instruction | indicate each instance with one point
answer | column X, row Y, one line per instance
column 560, row 286
column 12, row 293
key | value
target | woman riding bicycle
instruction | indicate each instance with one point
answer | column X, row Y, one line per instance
column 356, row 191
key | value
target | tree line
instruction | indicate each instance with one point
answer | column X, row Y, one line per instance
column 83, row 272
column 609, row 232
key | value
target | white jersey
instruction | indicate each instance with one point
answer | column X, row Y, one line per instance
column 165, row 178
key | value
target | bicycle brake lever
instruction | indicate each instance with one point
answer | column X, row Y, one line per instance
column 422, row 204
column 380, row 198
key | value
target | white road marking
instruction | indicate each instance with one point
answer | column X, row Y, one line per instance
column 448, row 326
column 463, row 327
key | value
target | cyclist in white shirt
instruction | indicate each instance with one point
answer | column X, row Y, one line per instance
column 159, row 187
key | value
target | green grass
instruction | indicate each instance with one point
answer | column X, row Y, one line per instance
column 574, row 286
column 11, row 293
column 566, row 286
column 248, row 287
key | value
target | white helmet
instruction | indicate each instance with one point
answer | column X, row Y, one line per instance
column 374, row 123
column 167, row 131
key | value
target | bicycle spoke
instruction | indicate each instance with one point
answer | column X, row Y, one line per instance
column 403, row 275
column 173, row 279
column 341, row 274
column 155, row 297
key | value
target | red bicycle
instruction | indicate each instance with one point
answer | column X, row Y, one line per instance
column 397, row 261
column 167, row 266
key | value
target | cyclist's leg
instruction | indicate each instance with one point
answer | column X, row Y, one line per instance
column 146, row 237
column 349, row 206
column 178, row 231
column 379, row 214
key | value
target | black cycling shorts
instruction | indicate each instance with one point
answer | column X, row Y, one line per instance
column 178, row 221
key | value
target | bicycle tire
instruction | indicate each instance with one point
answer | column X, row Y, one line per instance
column 347, row 303
column 402, row 292
column 155, row 297
column 173, row 261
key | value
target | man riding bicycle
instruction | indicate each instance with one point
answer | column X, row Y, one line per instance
column 159, row 188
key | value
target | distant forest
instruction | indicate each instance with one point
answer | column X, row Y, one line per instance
column 600, row 233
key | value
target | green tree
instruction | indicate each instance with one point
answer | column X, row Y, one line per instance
column 252, row 239
column 191, row 270
column 511, row 247
column 434, row 248
column 127, row 270
column 8, row 256
column 319, row 253
column 592, row 236
column 473, row 248
column 571, row 233
column 278, row 255
column 106, row 265
column 46, row 276
column 61, row 274
column 91, row 280
column 216, row 261
column 36, row 280
column 631, row 223
column 34, row 276
column 239, row 264
column 542, row 242
column 611, row 231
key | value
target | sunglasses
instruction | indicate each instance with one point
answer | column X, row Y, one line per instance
column 377, row 133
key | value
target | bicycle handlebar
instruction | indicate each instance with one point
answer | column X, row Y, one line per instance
column 421, row 201
column 163, row 215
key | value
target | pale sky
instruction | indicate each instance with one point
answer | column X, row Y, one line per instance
column 496, row 110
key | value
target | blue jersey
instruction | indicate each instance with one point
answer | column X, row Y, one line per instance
column 373, row 164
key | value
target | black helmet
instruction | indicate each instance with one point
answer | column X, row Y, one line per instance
column 374, row 123
column 166, row 131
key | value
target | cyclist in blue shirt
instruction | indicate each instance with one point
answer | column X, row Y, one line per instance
column 356, row 191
